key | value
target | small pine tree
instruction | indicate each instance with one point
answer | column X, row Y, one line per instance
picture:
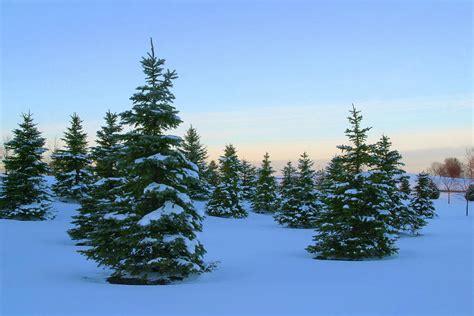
column 23, row 192
column 248, row 174
column 150, row 236
column 301, row 207
column 434, row 190
column 421, row 201
column 266, row 198
column 405, row 186
column 386, row 174
column 101, row 193
column 212, row 175
column 71, row 165
column 195, row 152
column 225, row 201
column 355, row 222
column 288, row 182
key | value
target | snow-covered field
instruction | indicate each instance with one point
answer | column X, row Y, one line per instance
column 264, row 270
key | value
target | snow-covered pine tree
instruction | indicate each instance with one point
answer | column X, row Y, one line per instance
column 23, row 191
column 266, row 197
column 248, row 175
column 421, row 201
column 225, row 200
column 288, row 181
column 71, row 165
column 434, row 190
column 150, row 237
column 195, row 152
column 212, row 175
column 386, row 173
column 355, row 223
column 101, row 194
column 303, row 204
column 405, row 185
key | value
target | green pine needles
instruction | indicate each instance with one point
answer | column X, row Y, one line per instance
column 23, row 191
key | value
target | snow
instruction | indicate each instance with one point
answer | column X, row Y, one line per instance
column 167, row 209
column 263, row 270
column 157, row 187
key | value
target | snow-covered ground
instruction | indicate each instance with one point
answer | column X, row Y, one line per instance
column 264, row 270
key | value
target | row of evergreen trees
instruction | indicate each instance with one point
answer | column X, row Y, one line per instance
column 136, row 189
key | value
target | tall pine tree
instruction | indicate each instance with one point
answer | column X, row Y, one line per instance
column 355, row 223
column 288, row 182
column 105, row 157
column 150, row 237
column 302, row 205
column 195, row 152
column 23, row 192
column 71, row 165
column 266, row 198
column 248, row 174
column 225, row 201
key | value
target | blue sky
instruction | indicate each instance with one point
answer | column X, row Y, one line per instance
column 276, row 76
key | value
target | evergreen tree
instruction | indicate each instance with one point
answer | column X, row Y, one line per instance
column 101, row 193
column 150, row 236
column 421, row 201
column 248, row 174
column 212, row 175
column 288, row 182
column 23, row 192
column 302, row 205
column 71, row 165
column 195, row 152
column 434, row 190
column 386, row 173
column 225, row 201
column 405, row 185
column 355, row 221
column 266, row 198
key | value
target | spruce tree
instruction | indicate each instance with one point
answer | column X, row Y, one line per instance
column 105, row 157
column 303, row 204
column 266, row 198
column 150, row 236
column 195, row 152
column 225, row 201
column 71, row 165
column 405, row 185
column 288, row 182
column 421, row 201
column 386, row 173
column 212, row 175
column 248, row 174
column 355, row 223
column 23, row 191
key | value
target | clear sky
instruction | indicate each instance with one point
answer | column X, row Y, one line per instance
column 276, row 76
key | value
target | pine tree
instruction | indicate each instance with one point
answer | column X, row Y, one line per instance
column 405, row 185
column 386, row 173
column 212, row 175
column 266, row 198
column 100, row 194
column 303, row 204
column 71, row 165
column 288, row 182
column 195, row 152
column 248, row 174
column 150, row 237
column 434, row 190
column 421, row 201
column 225, row 201
column 355, row 222
column 23, row 192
